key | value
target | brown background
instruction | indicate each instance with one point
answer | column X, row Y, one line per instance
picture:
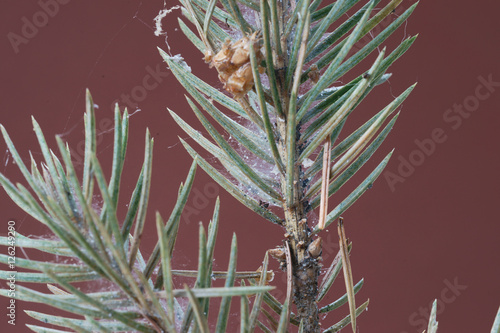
column 440, row 224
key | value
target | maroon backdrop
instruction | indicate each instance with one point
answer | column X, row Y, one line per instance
column 429, row 227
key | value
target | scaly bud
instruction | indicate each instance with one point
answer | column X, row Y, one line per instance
column 278, row 254
column 314, row 248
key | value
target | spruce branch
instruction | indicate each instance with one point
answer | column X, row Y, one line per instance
column 282, row 76
column 101, row 246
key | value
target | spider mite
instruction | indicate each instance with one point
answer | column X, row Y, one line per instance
column 263, row 204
